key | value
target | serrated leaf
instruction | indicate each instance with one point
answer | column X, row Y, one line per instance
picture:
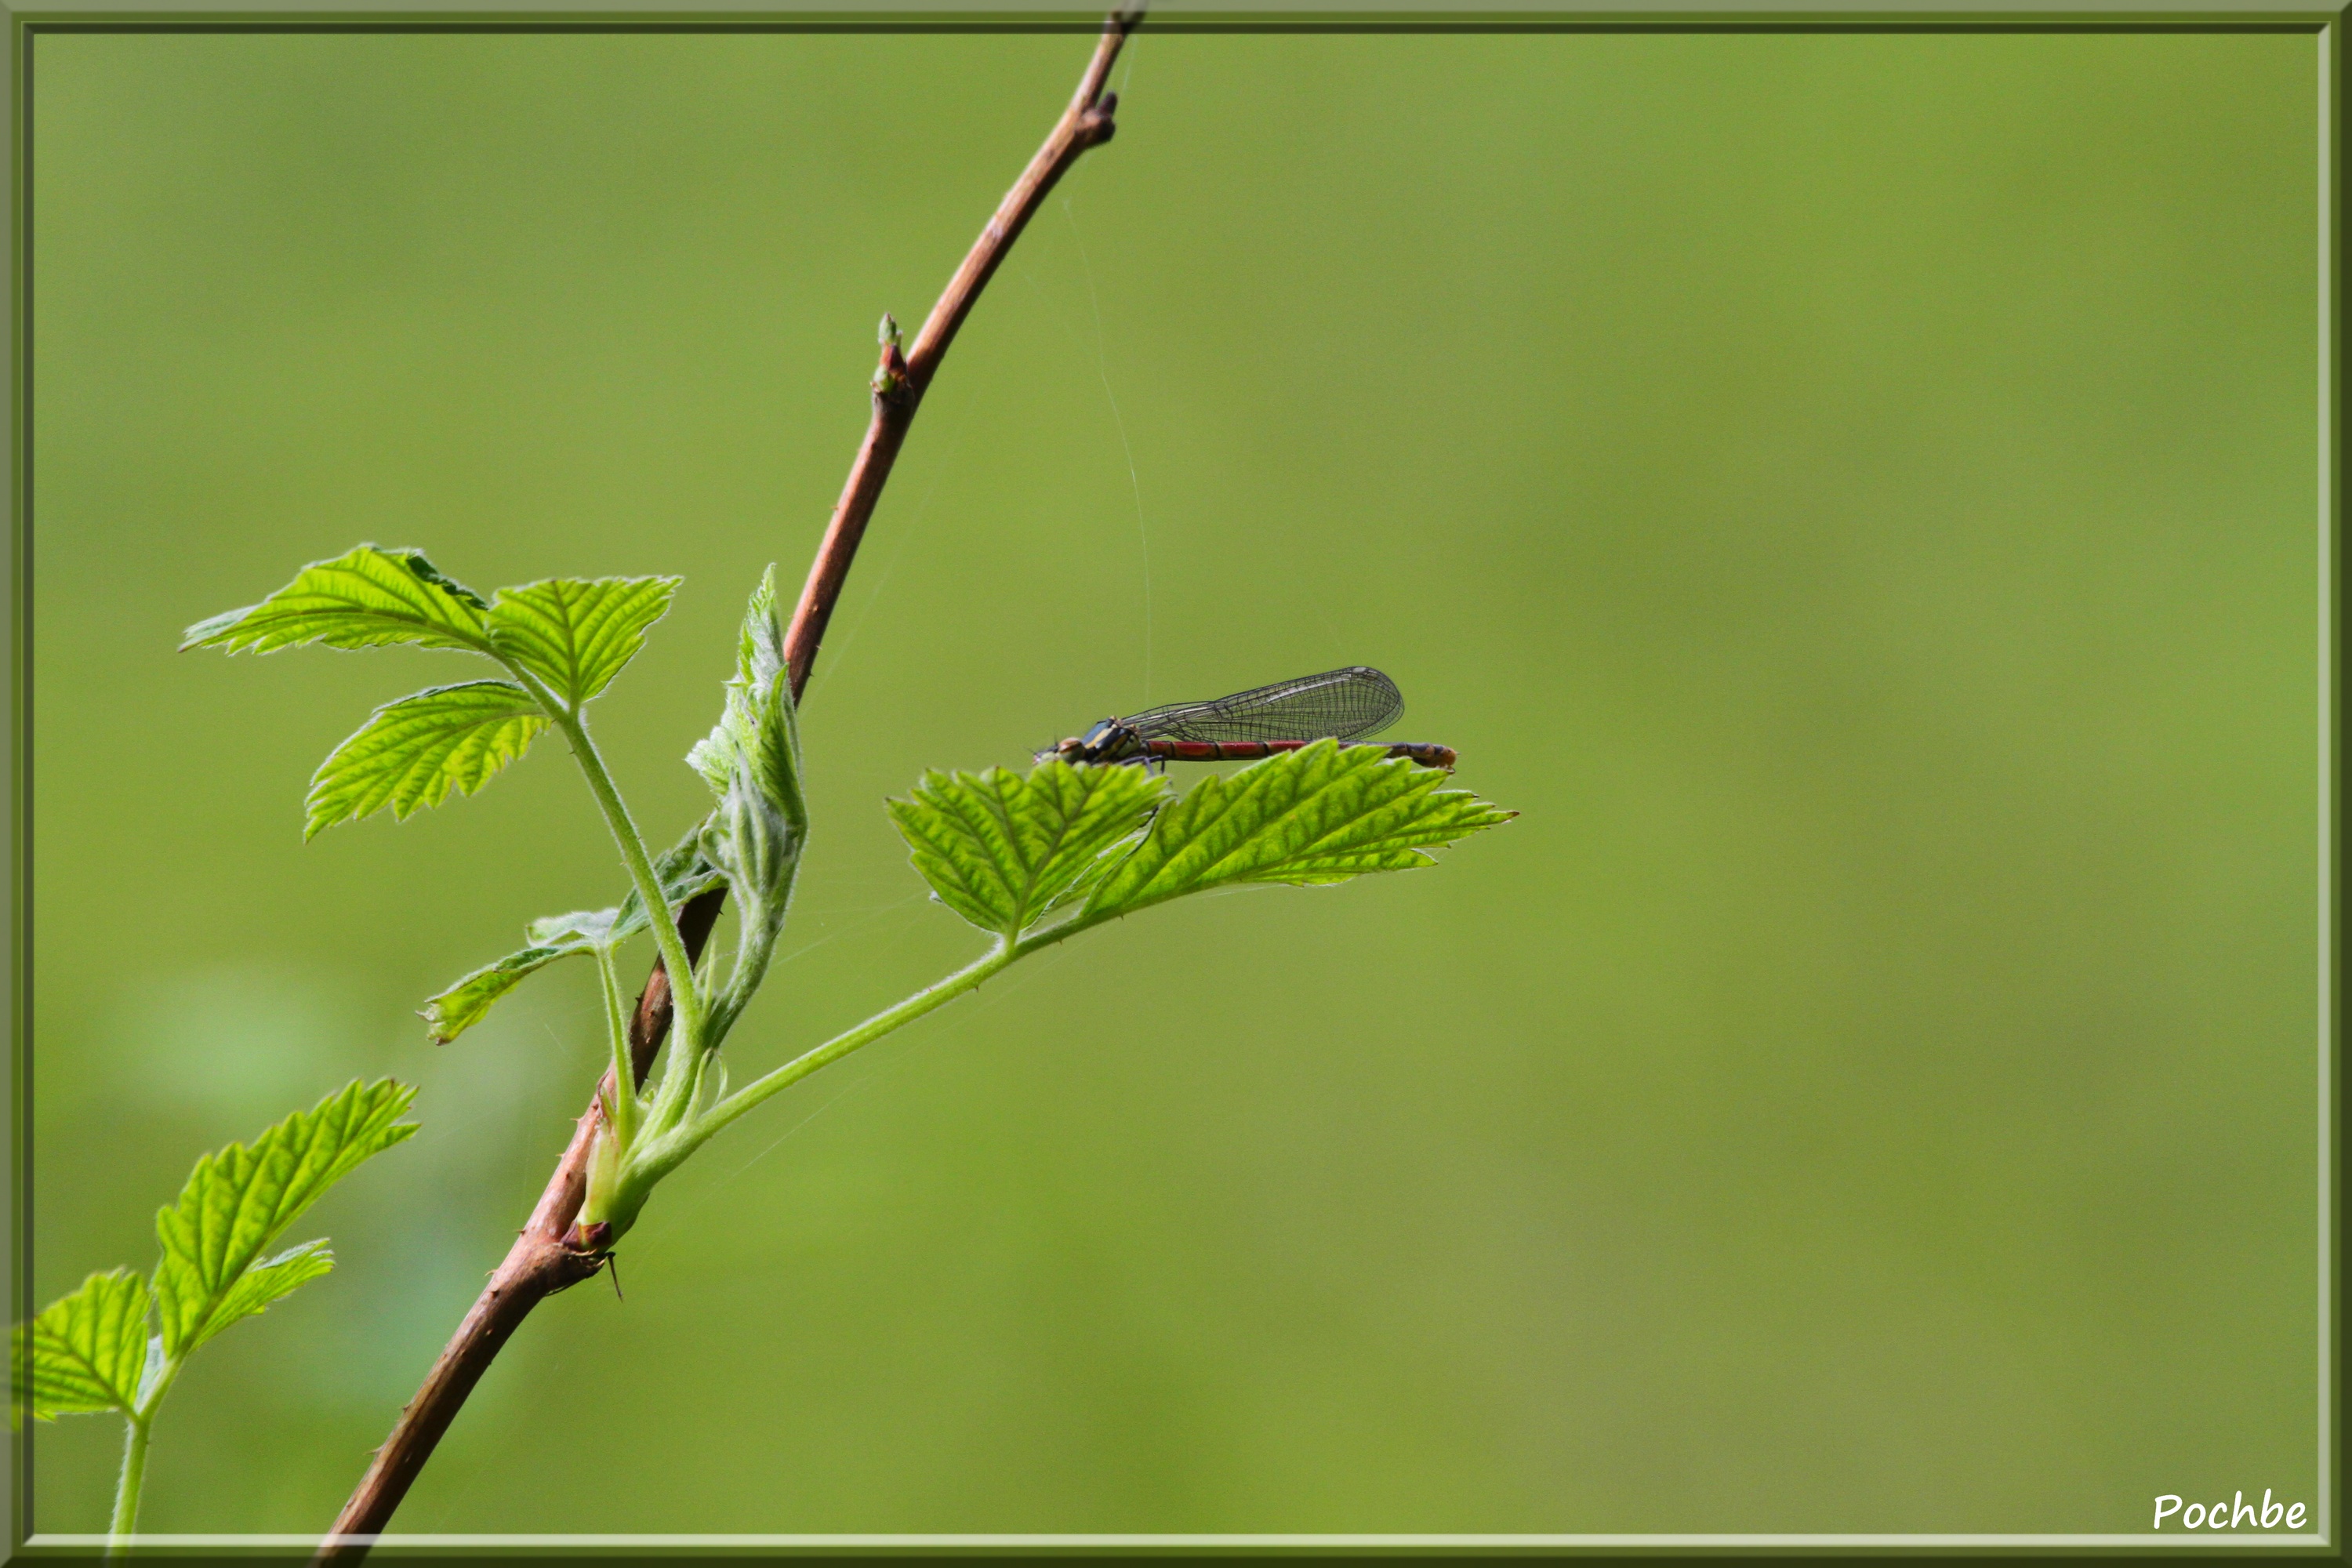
column 1322, row 814
column 86, row 1352
column 369, row 598
column 576, row 634
column 411, row 753
column 683, row 871
column 241, row 1198
column 449, row 1014
column 266, row 1283
column 1001, row 850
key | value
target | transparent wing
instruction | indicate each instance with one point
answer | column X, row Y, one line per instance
column 1342, row 704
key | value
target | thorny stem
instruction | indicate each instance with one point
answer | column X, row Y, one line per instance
column 551, row 1253
column 899, row 384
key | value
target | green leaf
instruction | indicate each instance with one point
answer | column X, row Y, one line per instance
column 412, row 752
column 369, row 598
column 758, row 734
column 683, row 872
column 577, row 635
column 1322, row 814
column 751, row 761
column 1001, row 850
column 86, row 1352
column 266, row 1283
column 240, row 1199
column 684, row 869
column 593, row 927
column 451, row 1013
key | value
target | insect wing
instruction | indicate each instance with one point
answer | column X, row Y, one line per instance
column 1339, row 704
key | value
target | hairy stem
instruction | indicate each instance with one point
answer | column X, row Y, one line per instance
column 616, row 1020
column 126, row 1489
column 551, row 1253
column 968, row 978
column 141, row 1422
column 685, row 995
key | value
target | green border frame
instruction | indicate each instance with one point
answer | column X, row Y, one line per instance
column 2325, row 22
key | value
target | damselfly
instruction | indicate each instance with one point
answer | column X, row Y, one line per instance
column 1343, row 705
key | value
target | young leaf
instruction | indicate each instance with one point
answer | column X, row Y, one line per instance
column 1322, row 814
column 683, row 871
column 752, row 842
column 240, row 1199
column 576, row 634
column 758, row 734
column 1000, row 850
column 751, row 761
column 86, row 1352
column 412, row 752
column 451, row 1013
column 593, row 927
column 368, row 598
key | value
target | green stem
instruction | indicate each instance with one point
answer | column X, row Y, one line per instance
column 625, row 1072
column 966, row 979
column 126, row 1490
column 142, row 1422
column 671, row 1102
column 685, row 997
column 1038, row 941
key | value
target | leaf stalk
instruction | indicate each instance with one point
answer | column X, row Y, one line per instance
column 686, row 996
column 617, row 1019
column 769, row 1084
column 138, row 1429
column 140, row 1425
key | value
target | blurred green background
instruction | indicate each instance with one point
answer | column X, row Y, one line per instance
column 1854, row 495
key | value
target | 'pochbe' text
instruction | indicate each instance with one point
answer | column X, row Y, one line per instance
column 2236, row 1514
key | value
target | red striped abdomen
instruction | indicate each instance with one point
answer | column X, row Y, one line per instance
column 1168, row 751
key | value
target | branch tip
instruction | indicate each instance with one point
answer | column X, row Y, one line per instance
column 890, row 378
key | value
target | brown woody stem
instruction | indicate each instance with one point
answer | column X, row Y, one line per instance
column 899, row 384
column 552, row 1255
